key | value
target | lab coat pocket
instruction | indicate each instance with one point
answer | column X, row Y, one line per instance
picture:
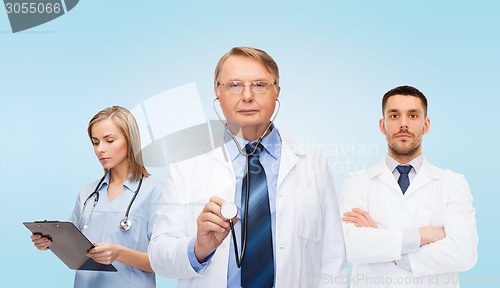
column 308, row 216
column 428, row 216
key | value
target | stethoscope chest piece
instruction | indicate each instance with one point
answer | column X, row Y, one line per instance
column 228, row 210
column 125, row 224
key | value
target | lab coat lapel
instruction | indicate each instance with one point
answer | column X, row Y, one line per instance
column 289, row 158
column 423, row 177
column 219, row 179
column 222, row 156
column 381, row 171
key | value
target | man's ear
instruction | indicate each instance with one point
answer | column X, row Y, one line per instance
column 381, row 125
column 427, row 125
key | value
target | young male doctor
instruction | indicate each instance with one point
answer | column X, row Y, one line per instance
column 406, row 222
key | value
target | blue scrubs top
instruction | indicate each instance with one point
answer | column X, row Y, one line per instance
column 103, row 225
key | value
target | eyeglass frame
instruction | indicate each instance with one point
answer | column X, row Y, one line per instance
column 251, row 84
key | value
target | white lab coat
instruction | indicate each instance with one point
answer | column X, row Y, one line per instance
column 310, row 247
column 435, row 197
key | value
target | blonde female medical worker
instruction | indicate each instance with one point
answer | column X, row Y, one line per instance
column 117, row 212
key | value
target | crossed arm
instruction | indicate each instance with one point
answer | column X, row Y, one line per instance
column 449, row 244
column 361, row 218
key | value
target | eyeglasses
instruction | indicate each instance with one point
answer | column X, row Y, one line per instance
column 238, row 86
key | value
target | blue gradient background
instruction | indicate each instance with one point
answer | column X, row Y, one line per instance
column 337, row 59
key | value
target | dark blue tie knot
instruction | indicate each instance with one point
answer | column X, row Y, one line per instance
column 250, row 147
column 404, row 180
column 404, row 169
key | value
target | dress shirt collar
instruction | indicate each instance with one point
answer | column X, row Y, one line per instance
column 271, row 143
column 416, row 163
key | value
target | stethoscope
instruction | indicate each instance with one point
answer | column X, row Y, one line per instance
column 228, row 210
column 125, row 223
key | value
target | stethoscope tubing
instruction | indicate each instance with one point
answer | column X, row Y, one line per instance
column 95, row 194
column 133, row 198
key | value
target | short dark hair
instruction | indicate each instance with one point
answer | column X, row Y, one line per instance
column 407, row 91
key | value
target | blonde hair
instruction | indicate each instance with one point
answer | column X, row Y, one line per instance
column 124, row 120
column 254, row 53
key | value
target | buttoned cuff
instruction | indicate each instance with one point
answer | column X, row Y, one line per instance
column 411, row 241
column 404, row 262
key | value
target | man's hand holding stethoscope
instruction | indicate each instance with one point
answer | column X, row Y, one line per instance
column 213, row 227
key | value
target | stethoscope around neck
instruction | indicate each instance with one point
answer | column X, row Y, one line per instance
column 125, row 223
column 229, row 210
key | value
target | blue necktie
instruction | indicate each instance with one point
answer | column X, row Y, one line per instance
column 257, row 267
column 404, row 180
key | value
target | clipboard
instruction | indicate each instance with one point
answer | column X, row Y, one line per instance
column 68, row 244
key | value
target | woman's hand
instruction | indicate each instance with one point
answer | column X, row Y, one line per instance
column 41, row 243
column 104, row 253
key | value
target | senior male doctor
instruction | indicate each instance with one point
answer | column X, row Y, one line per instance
column 288, row 225
column 406, row 222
